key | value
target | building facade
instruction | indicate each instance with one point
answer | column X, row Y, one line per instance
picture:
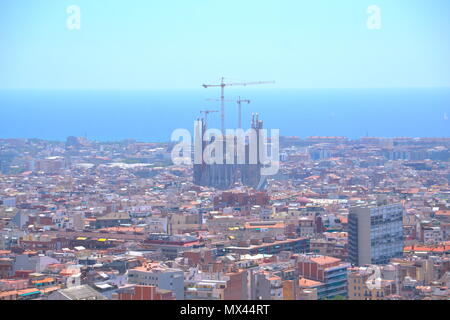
column 329, row 271
column 375, row 233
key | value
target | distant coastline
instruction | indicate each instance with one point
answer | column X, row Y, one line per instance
column 151, row 116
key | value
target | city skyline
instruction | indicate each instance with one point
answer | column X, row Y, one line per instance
column 225, row 157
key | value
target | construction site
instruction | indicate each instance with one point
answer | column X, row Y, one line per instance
column 223, row 174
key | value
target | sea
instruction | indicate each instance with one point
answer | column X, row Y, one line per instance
column 152, row 116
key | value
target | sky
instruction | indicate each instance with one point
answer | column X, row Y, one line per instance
column 180, row 44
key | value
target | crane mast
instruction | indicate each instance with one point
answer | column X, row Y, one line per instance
column 222, row 86
column 239, row 102
column 206, row 112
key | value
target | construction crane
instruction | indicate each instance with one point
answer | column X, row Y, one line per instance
column 239, row 102
column 206, row 112
column 222, row 86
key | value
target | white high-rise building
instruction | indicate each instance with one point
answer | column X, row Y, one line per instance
column 375, row 233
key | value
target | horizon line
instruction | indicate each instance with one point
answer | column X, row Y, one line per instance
column 169, row 141
column 254, row 88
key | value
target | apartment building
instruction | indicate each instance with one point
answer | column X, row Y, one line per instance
column 206, row 289
column 297, row 245
column 138, row 292
column 375, row 233
column 155, row 274
column 172, row 246
column 332, row 272
column 359, row 289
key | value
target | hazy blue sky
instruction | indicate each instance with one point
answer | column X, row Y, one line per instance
column 156, row 44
